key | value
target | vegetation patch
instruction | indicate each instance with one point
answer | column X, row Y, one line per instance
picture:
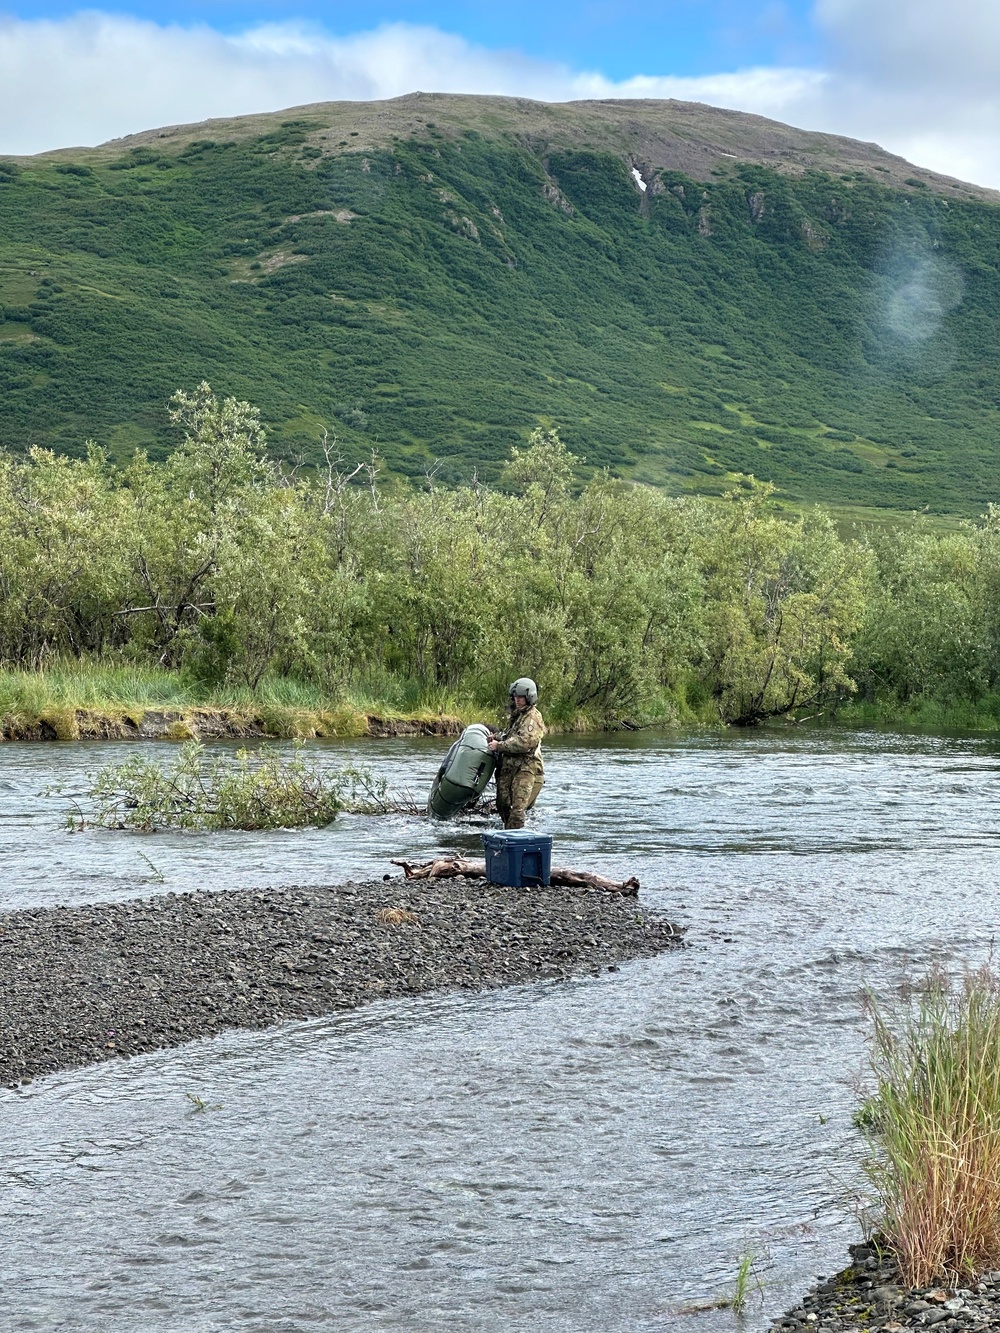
column 216, row 593
column 933, row 1125
column 258, row 789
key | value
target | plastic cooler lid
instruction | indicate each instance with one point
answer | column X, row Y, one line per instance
column 516, row 835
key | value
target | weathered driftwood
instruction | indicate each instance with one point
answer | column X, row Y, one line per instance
column 452, row 867
column 586, row 878
column 447, row 868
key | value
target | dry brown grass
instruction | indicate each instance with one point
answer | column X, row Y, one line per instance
column 396, row 916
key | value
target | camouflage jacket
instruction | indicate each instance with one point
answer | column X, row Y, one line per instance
column 521, row 742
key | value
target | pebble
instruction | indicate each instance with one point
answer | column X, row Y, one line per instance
column 84, row 984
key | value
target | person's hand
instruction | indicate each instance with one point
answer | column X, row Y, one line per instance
column 491, row 744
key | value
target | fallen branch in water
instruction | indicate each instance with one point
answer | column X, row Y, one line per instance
column 451, row 867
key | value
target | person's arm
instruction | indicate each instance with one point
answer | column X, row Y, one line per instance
column 525, row 737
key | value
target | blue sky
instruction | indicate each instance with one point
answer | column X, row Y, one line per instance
column 919, row 77
column 618, row 38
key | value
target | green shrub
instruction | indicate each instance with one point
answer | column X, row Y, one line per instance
column 218, row 576
column 260, row 789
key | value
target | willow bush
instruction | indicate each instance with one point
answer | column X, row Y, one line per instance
column 252, row 789
column 626, row 604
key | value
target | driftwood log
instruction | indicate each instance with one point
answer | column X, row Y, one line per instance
column 453, row 867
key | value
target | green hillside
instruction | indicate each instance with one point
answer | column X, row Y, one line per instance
column 796, row 308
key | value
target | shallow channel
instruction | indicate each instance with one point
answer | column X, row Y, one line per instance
column 587, row 1155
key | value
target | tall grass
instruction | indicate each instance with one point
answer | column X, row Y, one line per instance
column 90, row 685
column 933, row 1127
column 745, row 1275
column 924, row 713
column 288, row 705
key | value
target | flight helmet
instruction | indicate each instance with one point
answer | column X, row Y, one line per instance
column 526, row 687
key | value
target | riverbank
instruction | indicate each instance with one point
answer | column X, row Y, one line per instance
column 86, row 984
column 866, row 1297
column 88, row 701
column 74, row 700
column 71, row 701
column 80, row 701
column 132, row 723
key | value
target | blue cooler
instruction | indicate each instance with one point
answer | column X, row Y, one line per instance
column 517, row 857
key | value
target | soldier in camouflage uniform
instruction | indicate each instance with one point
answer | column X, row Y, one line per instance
column 520, row 771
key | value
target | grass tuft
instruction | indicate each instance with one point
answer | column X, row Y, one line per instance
column 747, row 1280
column 933, row 1127
column 396, row 916
column 63, row 721
column 744, row 1276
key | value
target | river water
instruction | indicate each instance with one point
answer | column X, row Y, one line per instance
column 586, row 1155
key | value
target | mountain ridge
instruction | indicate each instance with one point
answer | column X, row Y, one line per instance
column 693, row 137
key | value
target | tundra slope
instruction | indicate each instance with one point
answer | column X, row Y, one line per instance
column 658, row 134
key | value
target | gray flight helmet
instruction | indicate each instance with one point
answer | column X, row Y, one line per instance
column 526, row 688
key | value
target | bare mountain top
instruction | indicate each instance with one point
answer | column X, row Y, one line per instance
column 653, row 135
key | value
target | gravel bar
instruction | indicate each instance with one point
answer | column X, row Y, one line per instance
column 83, row 984
column 867, row 1297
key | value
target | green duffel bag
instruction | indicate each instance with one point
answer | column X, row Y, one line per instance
column 463, row 776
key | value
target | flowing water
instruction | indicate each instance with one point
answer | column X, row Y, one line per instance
column 588, row 1155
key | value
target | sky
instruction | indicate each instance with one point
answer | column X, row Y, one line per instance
column 919, row 77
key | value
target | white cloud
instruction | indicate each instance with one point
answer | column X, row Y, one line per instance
column 905, row 73
column 921, row 77
column 95, row 76
column 917, row 45
column 766, row 92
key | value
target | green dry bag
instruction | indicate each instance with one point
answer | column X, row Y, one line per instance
column 463, row 776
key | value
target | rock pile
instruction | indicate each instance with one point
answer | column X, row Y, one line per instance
column 81, row 984
column 868, row 1298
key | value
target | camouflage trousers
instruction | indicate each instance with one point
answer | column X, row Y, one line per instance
column 517, row 792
